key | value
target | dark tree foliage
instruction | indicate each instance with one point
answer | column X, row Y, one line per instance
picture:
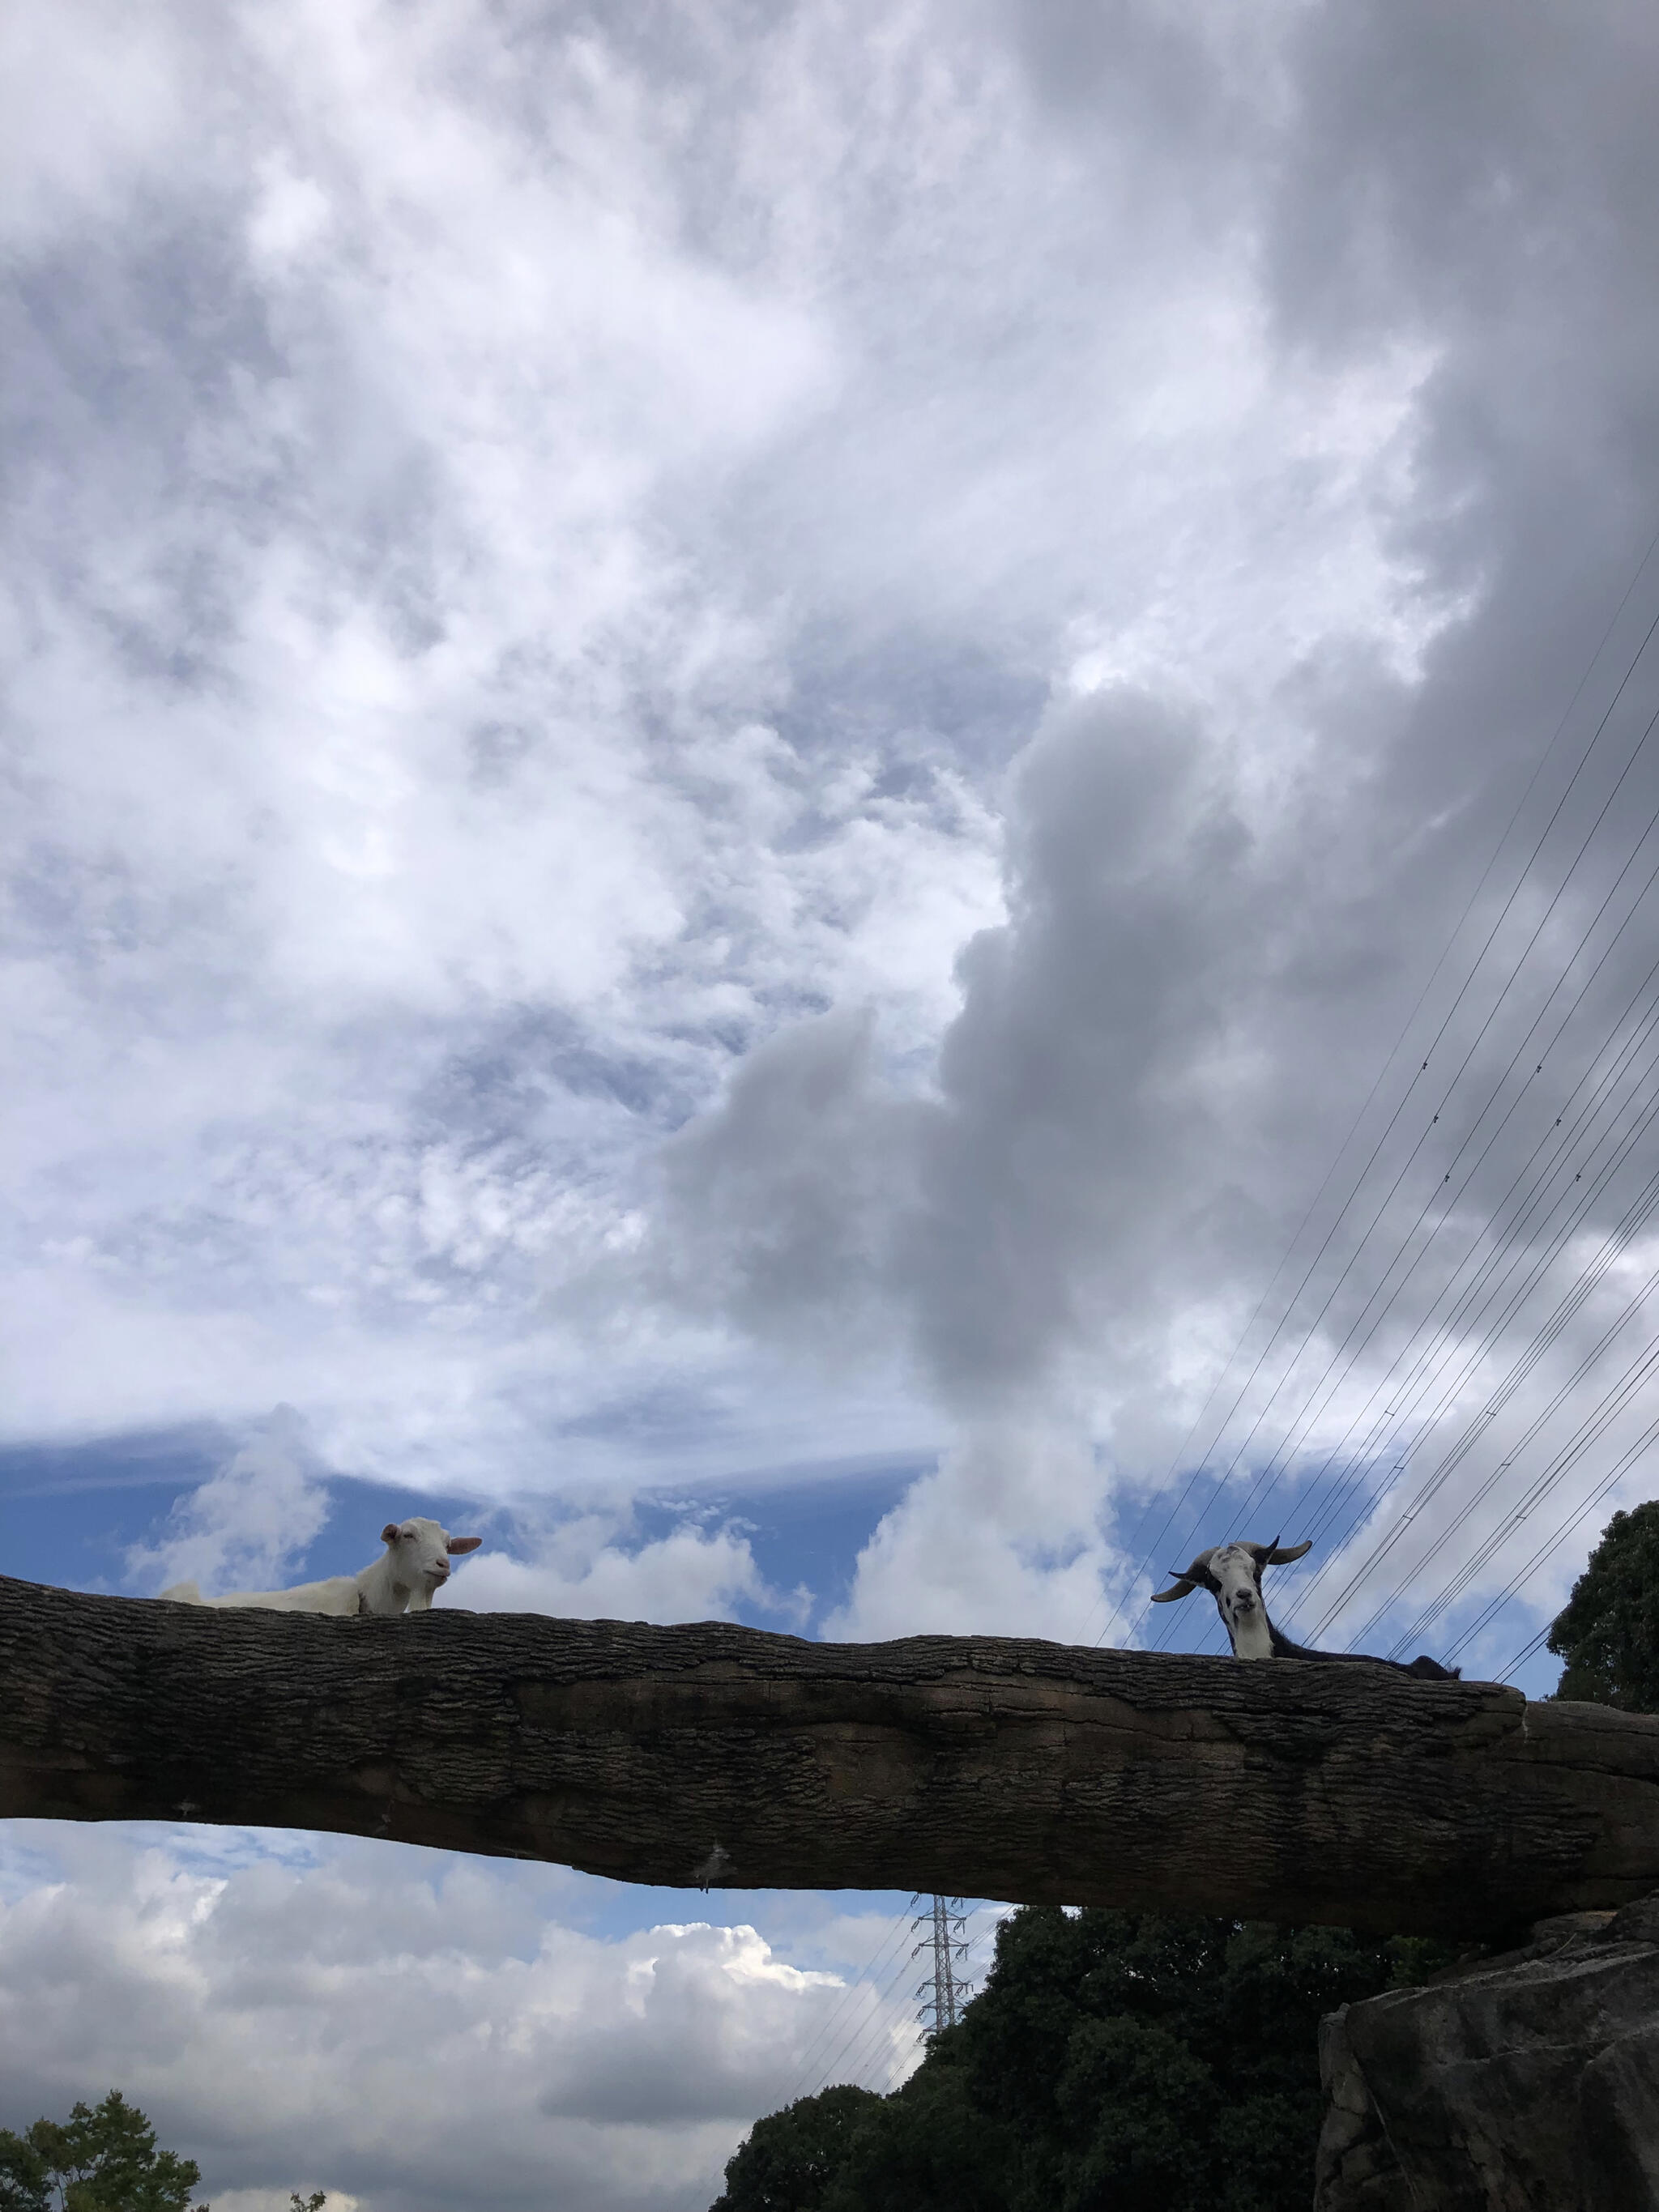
column 1609, row 1631
column 101, row 2159
column 927, row 2145
column 1113, row 2061
column 792, row 2157
column 1157, row 2065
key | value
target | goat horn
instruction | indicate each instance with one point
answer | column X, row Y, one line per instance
column 1180, row 1588
column 1278, row 1558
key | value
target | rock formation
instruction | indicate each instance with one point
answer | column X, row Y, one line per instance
column 1525, row 2083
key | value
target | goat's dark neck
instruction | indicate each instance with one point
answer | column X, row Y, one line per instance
column 1424, row 1668
column 1283, row 1648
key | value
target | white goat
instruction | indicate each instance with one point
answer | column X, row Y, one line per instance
column 1232, row 1575
column 410, row 1571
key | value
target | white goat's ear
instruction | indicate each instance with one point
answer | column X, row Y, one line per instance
column 1276, row 1558
column 1180, row 1588
column 464, row 1544
column 391, row 1533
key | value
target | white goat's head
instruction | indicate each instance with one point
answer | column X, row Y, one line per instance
column 421, row 1551
column 1232, row 1575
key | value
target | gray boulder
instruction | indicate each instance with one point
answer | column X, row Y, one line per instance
column 1525, row 2083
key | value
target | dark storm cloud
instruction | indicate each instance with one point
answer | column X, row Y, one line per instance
column 1211, row 949
column 1080, row 1094
column 1490, row 186
column 1189, row 91
column 780, row 1204
column 1124, row 1102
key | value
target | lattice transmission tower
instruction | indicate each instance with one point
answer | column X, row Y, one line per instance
column 946, row 1988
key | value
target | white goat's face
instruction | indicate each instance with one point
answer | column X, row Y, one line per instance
column 1232, row 1575
column 420, row 1552
column 1235, row 1582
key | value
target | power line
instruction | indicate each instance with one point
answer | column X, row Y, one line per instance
column 1497, row 1263
column 858, row 2051
column 1613, row 1404
column 1473, row 1354
column 1381, row 1142
column 1636, row 1215
column 829, row 2025
column 885, row 2040
column 860, row 2028
column 1596, row 1425
column 1451, row 1087
column 1546, row 1550
column 1525, row 1653
column 1312, row 1401
column 1324, row 1387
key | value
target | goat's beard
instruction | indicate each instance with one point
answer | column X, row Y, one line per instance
column 1251, row 1638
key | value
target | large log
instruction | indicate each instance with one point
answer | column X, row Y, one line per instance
column 983, row 1766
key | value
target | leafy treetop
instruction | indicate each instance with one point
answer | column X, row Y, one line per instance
column 101, row 2159
column 1608, row 1630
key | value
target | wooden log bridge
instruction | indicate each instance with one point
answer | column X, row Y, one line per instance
column 988, row 1766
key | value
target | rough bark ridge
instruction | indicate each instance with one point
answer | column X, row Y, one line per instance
column 982, row 1766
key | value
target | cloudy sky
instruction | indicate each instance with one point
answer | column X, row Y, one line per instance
column 843, row 813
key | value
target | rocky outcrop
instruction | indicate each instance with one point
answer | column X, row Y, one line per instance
column 1524, row 2083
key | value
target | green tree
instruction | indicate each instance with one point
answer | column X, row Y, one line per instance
column 1609, row 1631
column 791, row 2157
column 926, row 2146
column 101, row 2159
column 24, row 2182
column 1158, row 2065
column 1113, row 2061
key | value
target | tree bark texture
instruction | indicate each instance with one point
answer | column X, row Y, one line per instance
column 981, row 1766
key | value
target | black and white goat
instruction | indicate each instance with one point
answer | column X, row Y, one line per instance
column 1232, row 1575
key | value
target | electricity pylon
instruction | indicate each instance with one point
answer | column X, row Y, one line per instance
column 945, row 1990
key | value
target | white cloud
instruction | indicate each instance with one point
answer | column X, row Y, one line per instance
column 246, row 1525
column 91, row 106
column 541, row 617
column 587, row 1569
column 397, row 2027
column 1004, row 1539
